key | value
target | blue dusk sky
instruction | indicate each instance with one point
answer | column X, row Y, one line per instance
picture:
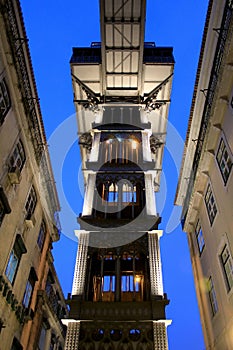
column 53, row 28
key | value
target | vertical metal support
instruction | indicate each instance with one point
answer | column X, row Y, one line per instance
column 150, row 198
column 133, row 199
column 118, row 276
column 101, row 278
column 160, row 334
column 89, row 195
column 146, row 153
column 72, row 335
column 94, row 156
column 81, row 263
column 155, row 262
column 120, row 197
column 89, row 263
column 106, row 199
column 134, row 282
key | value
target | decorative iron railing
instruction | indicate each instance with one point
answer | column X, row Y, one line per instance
column 22, row 62
column 223, row 33
column 30, row 98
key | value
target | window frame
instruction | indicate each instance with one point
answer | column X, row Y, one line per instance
column 109, row 283
column 5, row 100
column 27, row 297
column 4, row 205
column 30, row 203
column 2, row 212
column 28, row 293
column 12, row 267
column 43, row 331
column 212, row 296
column 16, row 345
column 199, row 237
column 17, row 157
column 41, row 237
column 17, row 251
column 228, row 280
column 210, row 207
column 221, row 160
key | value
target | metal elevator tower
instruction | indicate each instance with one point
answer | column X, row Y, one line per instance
column 122, row 91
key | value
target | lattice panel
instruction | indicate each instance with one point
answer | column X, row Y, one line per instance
column 160, row 336
column 155, row 264
column 81, row 264
column 72, row 336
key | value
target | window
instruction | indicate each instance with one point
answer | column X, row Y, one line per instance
column 212, row 296
column 227, row 264
column 50, row 281
column 126, row 191
column 4, row 205
column 120, row 148
column 130, row 284
column 134, row 334
column 224, row 161
column 27, row 293
column 17, row 158
column 199, row 237
column 210, row 204
column 12, row 266
column 30, row 203
column 53, row 342
column 16, row 345
column 42, row 340
column 14, row 258
column 29, row 287
column 109, row 284
column 129, row 193
column 2, row 212
column 41, row 236
column 5, row 101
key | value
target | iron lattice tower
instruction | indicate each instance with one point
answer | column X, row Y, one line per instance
column 122, row 93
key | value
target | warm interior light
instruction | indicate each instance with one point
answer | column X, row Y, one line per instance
column 137, row 279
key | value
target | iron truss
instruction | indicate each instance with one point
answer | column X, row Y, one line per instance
column 149, row 101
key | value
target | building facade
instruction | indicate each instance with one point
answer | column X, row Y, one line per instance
column 205, row 188
column 122, row 92
column 31, row 300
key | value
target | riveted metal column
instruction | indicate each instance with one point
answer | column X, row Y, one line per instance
column 81, row 263
column 89, row 195
column 118, row 276
column 94, row 156
column 155, row 262
column 150, row 198
column 160, row 334
column 72, row 335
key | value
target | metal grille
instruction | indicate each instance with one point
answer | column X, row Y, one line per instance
column 160, row 336
column 81, row 264
column 72, row 336
column 155, row 264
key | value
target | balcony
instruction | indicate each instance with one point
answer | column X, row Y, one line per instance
column 124, row 311
column 51, row 302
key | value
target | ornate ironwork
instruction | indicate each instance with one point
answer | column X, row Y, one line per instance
column 155, row 144
column 92, row 101
column 151, row 102
column 155, row 264
column 86, row 141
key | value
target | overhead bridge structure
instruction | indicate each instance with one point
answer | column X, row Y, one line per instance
column 122, row 88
